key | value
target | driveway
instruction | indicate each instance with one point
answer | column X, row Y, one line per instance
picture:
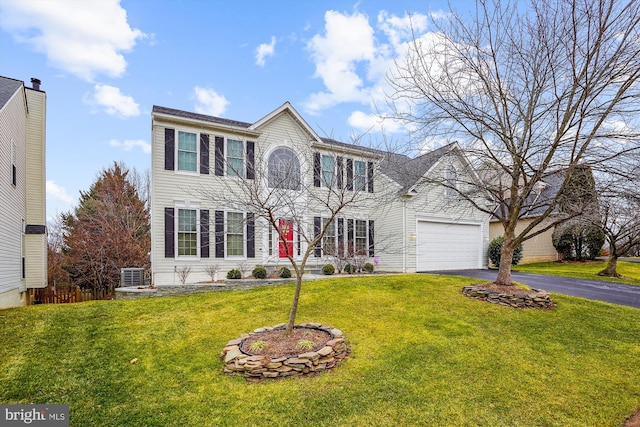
column 616, row 293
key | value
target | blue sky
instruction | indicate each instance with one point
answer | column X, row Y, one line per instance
column 104, row 64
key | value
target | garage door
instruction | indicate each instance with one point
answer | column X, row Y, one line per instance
column 448, row 246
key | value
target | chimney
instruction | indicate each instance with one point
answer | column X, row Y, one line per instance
column 35, row 83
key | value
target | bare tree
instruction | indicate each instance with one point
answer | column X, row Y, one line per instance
column 294, row 186
column 527, row 90
column 619, row 203
column 212, row 271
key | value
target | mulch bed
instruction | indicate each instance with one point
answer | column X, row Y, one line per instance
column 279, row 344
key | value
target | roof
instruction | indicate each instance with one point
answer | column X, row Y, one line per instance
column 201, row 117
column 404, row 170
column 408, row 171
column 7, row 88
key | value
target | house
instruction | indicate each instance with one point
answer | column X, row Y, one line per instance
column 204, row 166
column 540, row 247
column 23, row 246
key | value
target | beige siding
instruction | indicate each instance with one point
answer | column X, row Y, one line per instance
column 36, row 245
column 537, row 249
column 13, row 209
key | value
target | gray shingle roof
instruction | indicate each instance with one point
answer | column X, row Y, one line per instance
column 202, row 117
column 7, row 88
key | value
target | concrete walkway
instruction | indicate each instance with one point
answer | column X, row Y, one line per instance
column 616, row 293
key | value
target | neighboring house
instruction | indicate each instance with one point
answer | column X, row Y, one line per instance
column 405, row 223
column 23, row 245
column 540, row 247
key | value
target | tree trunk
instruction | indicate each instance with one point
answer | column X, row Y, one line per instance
column 294, row 304
column 506, row 256
column 612, row 264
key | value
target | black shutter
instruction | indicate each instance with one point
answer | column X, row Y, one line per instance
column 251, row 236
column 204, row 233
column 349, row 174
column 372, row 248
column 219, row 156
column 316, row 169
column 169, row 234
column 14, row 174
column 317, row 223
column 169, row 149
column 204, row 153
column 250, row 160
column 370, row 176
column 219, row 232
column 340, row 236
column 340, row 171
column 350, row 246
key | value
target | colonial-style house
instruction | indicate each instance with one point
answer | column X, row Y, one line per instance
column 211, row 179
column 23, row 245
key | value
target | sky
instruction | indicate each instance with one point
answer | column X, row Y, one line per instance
column 104, row 64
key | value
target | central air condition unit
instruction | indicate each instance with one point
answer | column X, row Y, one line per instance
column 131, row 277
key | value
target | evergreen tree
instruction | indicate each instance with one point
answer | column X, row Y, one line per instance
column 107, row 231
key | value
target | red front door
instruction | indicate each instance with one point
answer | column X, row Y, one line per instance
column 286, row 230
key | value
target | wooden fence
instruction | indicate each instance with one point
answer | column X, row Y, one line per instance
column 64, row 295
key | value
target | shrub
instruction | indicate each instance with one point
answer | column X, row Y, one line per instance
column 234, row 274
column 259, row 272
column 368, row 267
column 578, row 241
column 284, row 272
column 328, row 269
column 494, row 252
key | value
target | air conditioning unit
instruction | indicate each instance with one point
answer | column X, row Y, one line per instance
column 131, row 277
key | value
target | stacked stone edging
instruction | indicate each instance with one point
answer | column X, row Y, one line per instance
column 537, row 299
column 260, row 367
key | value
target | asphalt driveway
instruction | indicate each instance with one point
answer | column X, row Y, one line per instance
column 616, row 293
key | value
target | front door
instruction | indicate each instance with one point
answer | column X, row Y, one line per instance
column 285, row 246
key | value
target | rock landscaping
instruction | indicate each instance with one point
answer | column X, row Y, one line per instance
column 518, row 298
column 257, row 367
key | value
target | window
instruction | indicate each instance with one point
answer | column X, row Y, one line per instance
column 235, row 158
column 329, row 238
column 451, row 181
column 235, row 234
column 13, row 163
column 187, row 232
column 328, row 170
column 361, row 237
column 360, row 175
column 187, row 152
column 284, row 169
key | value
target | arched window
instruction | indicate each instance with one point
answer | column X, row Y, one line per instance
column 284, row 169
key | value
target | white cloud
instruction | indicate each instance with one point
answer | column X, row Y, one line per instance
column 347, row 41
column 57, row 193
column 371, row 122
column 130, row 144
column 85, row 38
column 113, row 101
column 265, row 50
column 209, row 102
column 354, row 59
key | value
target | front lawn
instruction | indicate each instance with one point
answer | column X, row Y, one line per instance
column 584, row 270
column 422, row 354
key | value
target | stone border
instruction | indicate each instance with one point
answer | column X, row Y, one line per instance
column 260, row 367
column 537, row 299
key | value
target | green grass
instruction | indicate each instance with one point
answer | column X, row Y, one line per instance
column 422, row 355
column 585, row 270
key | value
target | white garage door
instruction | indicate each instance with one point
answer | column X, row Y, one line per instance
column 448, row 246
